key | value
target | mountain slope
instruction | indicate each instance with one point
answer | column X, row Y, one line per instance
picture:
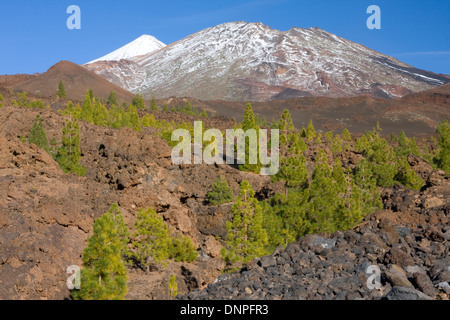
column 76, row 81
column 251, row 61
column 143, row 45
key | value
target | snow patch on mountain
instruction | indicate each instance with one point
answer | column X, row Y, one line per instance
column 145, row 44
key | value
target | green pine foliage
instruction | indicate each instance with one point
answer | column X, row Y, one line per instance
column 115, row 116
column 87, row 108
column 1, row 99
column 310, row 131
column 324, row 200
column 182, row 249
column 68, row 154
column 346, row 135
column 61, row 92
column 138, row 102
column 112, row 99
column 336, row 144
column 148, row 120
column 122, row 230
column 72, row 111
column 100, row 114
column 187, row 109
column 23, row 101
column 153, row 105
column 442, row 158
column 406, row 146
column 53, row 147
column 292, row 168
column 246, row 238
column 406, row 176
column 329, row 136
column 381, row 156
column 151, row 240
column 104, row 275
column 173, row 287
column 37, row 135
column 366, row 183
column 285, row 218
column 220, row 192
column 133, row 120
column 249, row 122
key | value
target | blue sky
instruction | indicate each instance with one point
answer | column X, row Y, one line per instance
column 34, row 36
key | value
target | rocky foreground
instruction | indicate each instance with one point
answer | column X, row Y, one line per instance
column 46, row 217
column 410, row 246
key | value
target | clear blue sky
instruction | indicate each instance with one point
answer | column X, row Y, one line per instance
column 34, row 35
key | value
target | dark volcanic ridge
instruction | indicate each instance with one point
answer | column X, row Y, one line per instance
column 76, row 79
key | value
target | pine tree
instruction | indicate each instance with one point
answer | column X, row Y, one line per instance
column 153, row 105
column 115, row 115
column 442, row 159
column 324, row 200
column 133, row 118
column 138, row 102
column 336, row 144
column 367, row 184
column 339, row 178
column 122, row 230
column 246, row 237
column 285, row 218
column 91, row 94
column 182, row 249
column 310, row 131
column 346, row 135
column 151, row 240
column 1, row 99
column 104, row 276
column 188, row 107
column 286, row 125
column 292, row 168
column 112, row 99
column 100, row 114
column 381, row 157
column 221, row 192
column 249, row 118
column 37, row 135
column 68, row 155
column 292, row 164
column 249, row 123
column 173, row 287
column 406, row 176
column 362, row 143
column 61, row 93
column 53, row 147
column 87, row 108
column 165, row 108
column 286, row 128
column 329, row 136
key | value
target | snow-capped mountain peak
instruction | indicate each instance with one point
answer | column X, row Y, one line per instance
column 145, row 44
column 251, row 61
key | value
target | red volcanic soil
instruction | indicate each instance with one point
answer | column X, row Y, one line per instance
column 417, row 113
column 76, row 81
column 7, row 81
